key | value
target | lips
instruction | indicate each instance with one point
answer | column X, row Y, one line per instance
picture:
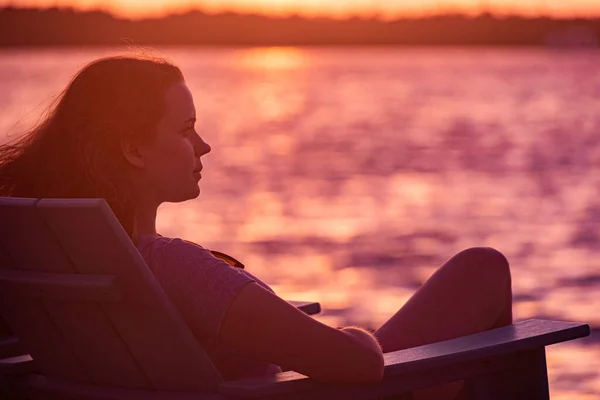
column 197, row 174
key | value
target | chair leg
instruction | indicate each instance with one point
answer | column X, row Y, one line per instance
column 528, row 380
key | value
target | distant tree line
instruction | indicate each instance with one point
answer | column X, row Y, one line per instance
column 67, row 27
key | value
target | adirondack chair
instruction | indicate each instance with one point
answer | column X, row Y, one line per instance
column 97, row 325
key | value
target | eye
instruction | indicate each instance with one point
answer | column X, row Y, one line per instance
column 189, row 130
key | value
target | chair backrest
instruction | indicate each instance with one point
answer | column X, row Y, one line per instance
column 79, row 295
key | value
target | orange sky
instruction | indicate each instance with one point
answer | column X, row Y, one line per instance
column 336, row 8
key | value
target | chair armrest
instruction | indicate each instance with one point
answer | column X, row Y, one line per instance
column 424, row 366
column 308, row 307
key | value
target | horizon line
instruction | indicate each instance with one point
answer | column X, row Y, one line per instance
column 175, row 11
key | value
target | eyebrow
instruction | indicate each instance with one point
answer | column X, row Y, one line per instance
column 193, row 119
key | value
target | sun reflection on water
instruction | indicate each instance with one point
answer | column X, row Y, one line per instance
column 272, row 58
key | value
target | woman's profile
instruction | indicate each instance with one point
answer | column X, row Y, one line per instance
column 124, row 130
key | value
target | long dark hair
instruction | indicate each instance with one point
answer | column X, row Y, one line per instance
column 75, row 150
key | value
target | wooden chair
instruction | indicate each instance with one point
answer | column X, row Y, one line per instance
column 97, row 325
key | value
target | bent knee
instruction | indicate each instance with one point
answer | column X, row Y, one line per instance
column 486, row 260
column 487, row 255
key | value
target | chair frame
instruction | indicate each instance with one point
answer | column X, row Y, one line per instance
column 504, row 363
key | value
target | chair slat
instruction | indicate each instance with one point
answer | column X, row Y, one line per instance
column 53, row 355
column 107, row 359
column 52, row 330
column 21, row 234
column 46, row 285
column 167, row 352
column 27, row 241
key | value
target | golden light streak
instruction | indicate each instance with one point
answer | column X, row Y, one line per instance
column 272, row 58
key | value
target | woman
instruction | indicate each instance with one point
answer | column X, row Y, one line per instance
column 123, row 130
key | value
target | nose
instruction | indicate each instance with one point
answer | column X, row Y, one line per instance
column 201, row 147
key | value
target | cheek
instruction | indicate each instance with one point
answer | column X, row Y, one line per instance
column 170, row 164
column 175, row 166
column 175, row 155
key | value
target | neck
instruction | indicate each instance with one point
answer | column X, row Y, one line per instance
column 145, row 220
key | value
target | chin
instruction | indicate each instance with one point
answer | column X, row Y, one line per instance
column 190, row 195
column 195, row 192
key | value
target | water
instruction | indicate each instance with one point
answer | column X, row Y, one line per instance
column 346, row 176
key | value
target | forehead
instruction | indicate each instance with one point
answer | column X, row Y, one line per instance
column 179, row 105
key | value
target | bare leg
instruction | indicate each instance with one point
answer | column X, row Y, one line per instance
column 470, row 293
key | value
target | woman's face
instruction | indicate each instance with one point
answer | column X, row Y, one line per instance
column 171, row 166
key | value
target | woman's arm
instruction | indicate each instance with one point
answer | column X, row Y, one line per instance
column 263, row 325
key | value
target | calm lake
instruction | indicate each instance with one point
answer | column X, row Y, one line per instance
column 347, row 176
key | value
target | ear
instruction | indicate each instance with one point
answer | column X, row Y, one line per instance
column 132, row 152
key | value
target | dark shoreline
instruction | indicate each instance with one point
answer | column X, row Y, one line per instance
column 63, row 27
